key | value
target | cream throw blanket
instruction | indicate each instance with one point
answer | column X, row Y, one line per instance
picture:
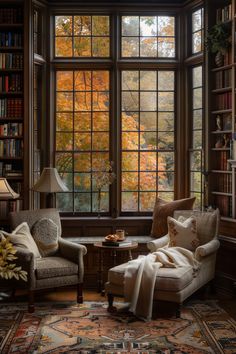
column 140, row 276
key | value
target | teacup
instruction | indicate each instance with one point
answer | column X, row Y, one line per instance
column 120, row 234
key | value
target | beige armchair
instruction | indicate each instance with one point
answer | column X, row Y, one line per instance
column 64, row 268
column 177, row 284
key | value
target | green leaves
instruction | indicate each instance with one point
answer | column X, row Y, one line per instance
column 218, row 38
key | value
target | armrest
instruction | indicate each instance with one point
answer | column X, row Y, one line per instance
column 26, row 260
column 158, row 243
column 74, row 252
column 207, row 249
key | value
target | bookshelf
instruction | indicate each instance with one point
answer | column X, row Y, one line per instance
column 12, row 101
column 222, row 118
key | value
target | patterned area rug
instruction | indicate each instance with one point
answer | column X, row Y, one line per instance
column 90, row 329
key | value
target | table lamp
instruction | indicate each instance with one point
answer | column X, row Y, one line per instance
column 50, row 182
column 6, row 192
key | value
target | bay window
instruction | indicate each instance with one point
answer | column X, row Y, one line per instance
column 122, row 109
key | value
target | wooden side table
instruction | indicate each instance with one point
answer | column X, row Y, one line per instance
column 114, row 249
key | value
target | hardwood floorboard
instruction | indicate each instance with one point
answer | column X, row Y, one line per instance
column 229, row 304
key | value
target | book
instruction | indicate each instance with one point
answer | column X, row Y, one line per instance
column 117, row 244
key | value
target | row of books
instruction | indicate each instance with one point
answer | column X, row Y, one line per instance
column 7, row 206
column 224, row 101
column 11, row 39
column 224, row 203
column 11, row 107
column 221, row 162
column 224, row 182
column 11, row 83
column 11, row 15
column 228, row 57
column 9, row 170
column 11, row 148
column 223, row 79
column 11, row 61
column 11, row 129
column 224, row 14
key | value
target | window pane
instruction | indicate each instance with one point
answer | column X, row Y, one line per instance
column 148, row 36
column 130, row 47
column 82, row 47
column 64, row 81
column 197, row 20
column 130, row 25
column 82, row 25
column 90, row 36
column 148, row 26
column 64, row 101
column 83, row 133
column 144, row 170
column 197, row 31
column 197, row 41
column 63, row 25
column 166, row 26
column 196, row 155
column 64, row 121
column 63, row 47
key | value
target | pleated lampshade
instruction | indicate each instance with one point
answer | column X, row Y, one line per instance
column 50, row 182
column 6, row 192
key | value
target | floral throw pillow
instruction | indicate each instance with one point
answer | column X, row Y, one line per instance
column 183, row 234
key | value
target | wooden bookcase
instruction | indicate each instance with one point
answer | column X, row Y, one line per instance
column 222, row 118
column 12, row 101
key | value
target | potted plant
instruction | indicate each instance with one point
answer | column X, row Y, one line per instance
column 218, row 40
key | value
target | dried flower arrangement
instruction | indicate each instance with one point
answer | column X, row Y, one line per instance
column 103, row 176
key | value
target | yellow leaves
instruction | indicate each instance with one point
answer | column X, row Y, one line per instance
column 90, row 36
column 9, row 270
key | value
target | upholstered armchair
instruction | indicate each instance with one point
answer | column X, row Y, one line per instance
column 62, row 268
column 177, row 284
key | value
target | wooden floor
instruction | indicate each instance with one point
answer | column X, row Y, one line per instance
column 229, row 304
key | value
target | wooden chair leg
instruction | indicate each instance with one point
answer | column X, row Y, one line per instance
column 111, row 308
column 80, row 293
column 178, row 310
column 31, row 301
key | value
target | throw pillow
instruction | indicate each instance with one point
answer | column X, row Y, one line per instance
column 207, row 223
column 21, row 237
column 183, row 234
column 45, row 234
column 164, row 209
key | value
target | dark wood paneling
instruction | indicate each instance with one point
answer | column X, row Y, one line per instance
column 76, row 227
column 226, row 266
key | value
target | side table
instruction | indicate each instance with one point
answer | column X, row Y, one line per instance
column 114, row 249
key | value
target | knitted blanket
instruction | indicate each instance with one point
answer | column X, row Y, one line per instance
column 140, row 276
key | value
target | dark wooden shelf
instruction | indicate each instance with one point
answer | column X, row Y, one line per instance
column 221, row 171
column 15, row 93
column 219, row 111
column 222, row 193
column 13, row 178
column 222, row 90
column 7, row 70
column 221, row 132
column 11, row 26
column 9, row 119
column 11, row 49
column 224, row 67
column 11, row 158
column 11, row 137
column 220, row 149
